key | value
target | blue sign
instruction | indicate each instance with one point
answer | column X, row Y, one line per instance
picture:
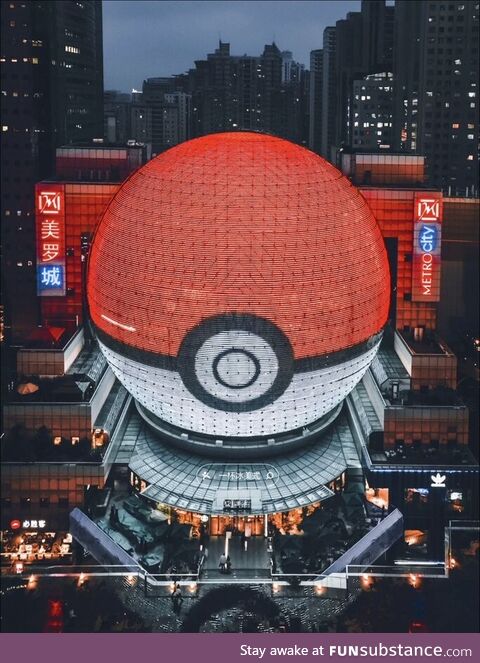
column 50, row 277
column 428, row 238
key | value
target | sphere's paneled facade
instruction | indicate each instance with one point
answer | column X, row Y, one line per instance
column 308, row 397
column 238, row 284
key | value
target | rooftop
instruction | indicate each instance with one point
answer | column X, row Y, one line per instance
column 76, row 386
column 48, row 338
column 424, row 343
column 417, row 455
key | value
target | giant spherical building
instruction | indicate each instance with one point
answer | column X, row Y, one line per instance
column 238, row 285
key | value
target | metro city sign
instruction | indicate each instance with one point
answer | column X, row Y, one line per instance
column 428, row 208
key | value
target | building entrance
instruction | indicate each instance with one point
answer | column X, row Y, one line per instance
column 238, row 525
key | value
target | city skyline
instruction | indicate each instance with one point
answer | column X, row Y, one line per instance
column 247, row 26
column 239, row 319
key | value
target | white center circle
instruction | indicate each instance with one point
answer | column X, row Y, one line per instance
column 237, row 369
column 244, row 377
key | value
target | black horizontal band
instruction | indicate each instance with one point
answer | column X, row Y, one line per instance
column 169, row 363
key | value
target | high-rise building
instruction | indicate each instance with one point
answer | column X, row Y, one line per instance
column 170, row 111
column 76, row 75
column 372, row 106
column 329, row 100
column 315, row 101
column 116, row 113
column 140, row 119
column 52, row 88
column 436, row 82
column 262, row 93
column 359, row 46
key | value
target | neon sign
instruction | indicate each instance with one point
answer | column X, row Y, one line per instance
column 50, row 216
column 426, row 247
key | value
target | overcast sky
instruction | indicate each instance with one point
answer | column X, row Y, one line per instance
column 163, row 37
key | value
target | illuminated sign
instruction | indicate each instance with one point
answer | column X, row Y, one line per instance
column 34, row 524
column 438, row 480
column 237, row 505
column 50, row 218
column 28, row 524
column 426, row 247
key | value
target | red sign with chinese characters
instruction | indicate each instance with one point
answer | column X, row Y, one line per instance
column 50, row 218
column 427, row 240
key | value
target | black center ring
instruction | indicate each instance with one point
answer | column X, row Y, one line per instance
column 261, row 327
column 239, row 351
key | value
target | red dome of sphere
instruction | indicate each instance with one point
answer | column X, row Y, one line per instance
column 239, row 223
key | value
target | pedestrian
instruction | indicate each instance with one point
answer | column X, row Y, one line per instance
column 248, row 534
column 205, row 554
column 178, row 600
column 228, row 564
column 222, row 562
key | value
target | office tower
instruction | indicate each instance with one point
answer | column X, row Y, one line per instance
column 436, row 80
column 52, row 87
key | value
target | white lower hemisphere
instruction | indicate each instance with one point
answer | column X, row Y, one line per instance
column 309, row 396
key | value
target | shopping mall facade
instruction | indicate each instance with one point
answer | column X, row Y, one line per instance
column 259, row 336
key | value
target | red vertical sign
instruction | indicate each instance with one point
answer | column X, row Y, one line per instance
column 427, row 240
column 50, row 222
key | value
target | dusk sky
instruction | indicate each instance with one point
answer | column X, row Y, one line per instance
column 159, row 38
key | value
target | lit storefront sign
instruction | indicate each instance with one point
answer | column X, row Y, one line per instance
column 50, row 222
column 28, row 524
column 234, row 506
column 427, row 247
column 438, row 480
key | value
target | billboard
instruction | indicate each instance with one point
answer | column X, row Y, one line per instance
column 427, row 236
column 50, row 223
